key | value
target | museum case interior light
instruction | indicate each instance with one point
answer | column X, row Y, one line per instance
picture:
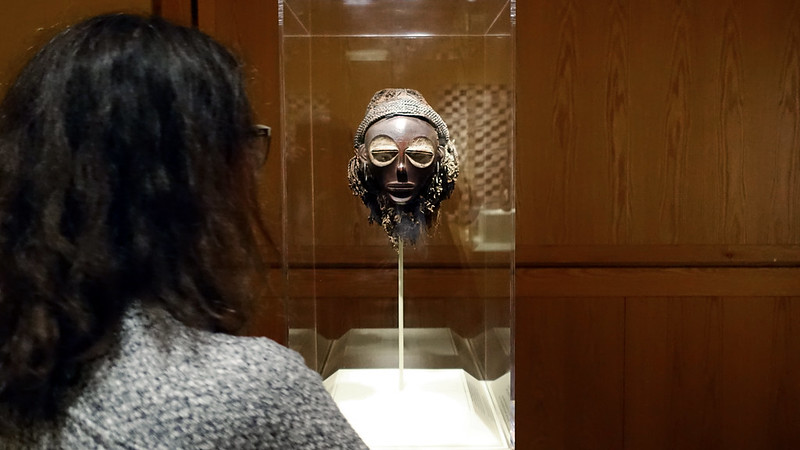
column 411, row 332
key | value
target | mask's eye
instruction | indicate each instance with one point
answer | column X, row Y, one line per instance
column 382, row 151
column 420, row 152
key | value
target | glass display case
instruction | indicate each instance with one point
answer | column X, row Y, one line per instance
column 415, row 343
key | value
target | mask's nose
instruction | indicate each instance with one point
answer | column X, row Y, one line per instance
column 402, row 175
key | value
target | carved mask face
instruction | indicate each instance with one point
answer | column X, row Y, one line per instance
column 402, row 152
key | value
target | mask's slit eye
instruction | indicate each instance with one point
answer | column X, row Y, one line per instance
column 420, row 152
column 382, row 151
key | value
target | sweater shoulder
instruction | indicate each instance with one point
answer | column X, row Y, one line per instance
column 169, row 383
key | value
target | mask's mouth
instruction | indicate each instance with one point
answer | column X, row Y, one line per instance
column 400, row 192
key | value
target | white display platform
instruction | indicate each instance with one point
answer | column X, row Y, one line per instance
column 435, row 409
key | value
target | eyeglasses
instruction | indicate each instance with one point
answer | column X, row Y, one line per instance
column 264, row 134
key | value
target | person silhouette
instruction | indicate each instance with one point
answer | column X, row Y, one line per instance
column 129, row 238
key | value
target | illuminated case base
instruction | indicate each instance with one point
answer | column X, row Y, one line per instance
column 437, row 405
column 435, row 408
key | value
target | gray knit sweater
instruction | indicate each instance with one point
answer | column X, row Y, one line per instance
column 171, row 387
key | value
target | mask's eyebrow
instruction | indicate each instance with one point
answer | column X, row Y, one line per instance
column 421, row 144
column 382, row 142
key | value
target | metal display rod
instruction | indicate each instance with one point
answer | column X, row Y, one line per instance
column 400, row 311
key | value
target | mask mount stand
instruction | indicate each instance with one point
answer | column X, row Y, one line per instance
column 400, row 324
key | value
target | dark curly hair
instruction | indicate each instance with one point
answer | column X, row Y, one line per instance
column 126, row 174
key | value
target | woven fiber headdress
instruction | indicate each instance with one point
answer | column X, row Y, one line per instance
column 400, row 102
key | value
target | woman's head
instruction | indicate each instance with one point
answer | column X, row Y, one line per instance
column 126, row 173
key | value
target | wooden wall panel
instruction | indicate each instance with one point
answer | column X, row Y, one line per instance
column 181, row 12
column 27, row 25
column 569, row 373
column 709, row 365
column 673, row 368
column 658, row 123
column 712, row 372
column 658, row 161
column 250, row 28
column 702, row 255
column 661, row 282
column 760, row 372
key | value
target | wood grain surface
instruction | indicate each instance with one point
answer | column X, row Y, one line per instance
column 658, row 161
